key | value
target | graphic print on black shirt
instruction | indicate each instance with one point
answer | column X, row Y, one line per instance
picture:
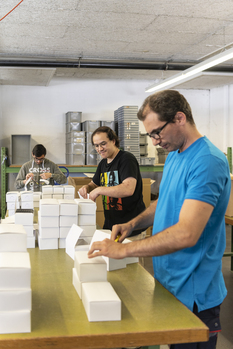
column 110, row 179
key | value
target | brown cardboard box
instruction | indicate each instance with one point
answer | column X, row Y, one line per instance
column 229, row 211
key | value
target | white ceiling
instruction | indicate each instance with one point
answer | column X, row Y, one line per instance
column 145, row 31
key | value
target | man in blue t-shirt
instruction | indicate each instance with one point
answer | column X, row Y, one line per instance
column 188, row 239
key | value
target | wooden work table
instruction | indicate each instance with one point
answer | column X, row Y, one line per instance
column 150, row 314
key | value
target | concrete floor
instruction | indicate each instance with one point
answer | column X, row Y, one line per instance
column 225, row 339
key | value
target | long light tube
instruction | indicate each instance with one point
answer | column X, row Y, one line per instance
column 192, row 72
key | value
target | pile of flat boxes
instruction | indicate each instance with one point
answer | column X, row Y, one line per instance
column 79, row 149
column 144, row 159
column 128, row 129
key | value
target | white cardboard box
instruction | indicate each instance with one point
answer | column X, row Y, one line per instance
column 68, row 220
column 86, row 219
column 68, row 207
column 47, row 244
column 12, row 196
column 58, row 189
column 13, row 238
column 11, row 212
column 24, row 218
column 89, row 269
column 69, row 189
column 27, row 204
column 49, row 232
column 86, row 206
column 77, row 283
column 26, row 196
column 61, row 243
column 11, row 205
column 101, row 302
column 31, row 241
column 29, row 229
column 112, row 264
column 15, row 270
column 47, row 189
column 15, row 321
column 49, row 222
column 15, row 300
column 49, row 207
column 64, row 232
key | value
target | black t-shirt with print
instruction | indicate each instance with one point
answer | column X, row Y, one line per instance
column 120, row 210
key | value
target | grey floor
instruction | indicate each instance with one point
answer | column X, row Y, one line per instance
column 225, row 339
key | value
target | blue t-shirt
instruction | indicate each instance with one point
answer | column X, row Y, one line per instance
column 201, row 172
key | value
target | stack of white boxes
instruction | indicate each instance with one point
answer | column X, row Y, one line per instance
column 27, row 200
column 15, row 280
column 13, row 202
column 48, row 219
column 25, row 218
column 68, row 217
column 100, row 301
column 86, row 218
column 58, row 192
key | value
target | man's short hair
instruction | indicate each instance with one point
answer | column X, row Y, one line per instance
column 39, row 150
column 110, row 134
column 166, row 104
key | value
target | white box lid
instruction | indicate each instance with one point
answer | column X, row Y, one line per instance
column 12, row 228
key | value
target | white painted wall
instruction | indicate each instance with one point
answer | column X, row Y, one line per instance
column 40, row 111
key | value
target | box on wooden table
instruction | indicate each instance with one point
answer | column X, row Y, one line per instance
column 49, row 232
column 49, row 207
column 15, row 270
column 86, row 206
column 15, row 321
column 15, row 300
column 89, row 269
column 62, row 243
column 31, row 241
column 112, row 264
column 101, row 302
column 13, row 238
column 24, row 216
column 47, row 244
column 71, row 239
column 68, row 207
column 76, row 282
column 229, row 211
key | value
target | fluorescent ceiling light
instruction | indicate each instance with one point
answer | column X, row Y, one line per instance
column 192, row 72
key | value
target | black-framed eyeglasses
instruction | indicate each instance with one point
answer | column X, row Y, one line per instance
column 38, row 159
column 156, row 134
column 101, row 145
